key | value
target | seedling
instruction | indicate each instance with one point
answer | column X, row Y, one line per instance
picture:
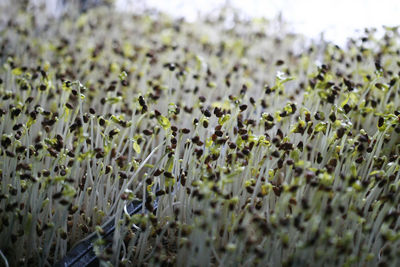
column 242, row 146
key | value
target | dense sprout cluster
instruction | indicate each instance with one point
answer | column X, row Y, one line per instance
column 246, row 144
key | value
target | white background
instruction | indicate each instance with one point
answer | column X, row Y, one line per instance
column 338, row 19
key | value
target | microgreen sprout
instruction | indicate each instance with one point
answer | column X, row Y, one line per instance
column 243, row 146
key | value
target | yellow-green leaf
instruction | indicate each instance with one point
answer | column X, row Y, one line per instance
column 136, row 147
column 320, row 127
column 164, row 122
column 17, row 71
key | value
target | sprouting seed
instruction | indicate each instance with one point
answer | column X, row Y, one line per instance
column 380, row 122
column 243, row 107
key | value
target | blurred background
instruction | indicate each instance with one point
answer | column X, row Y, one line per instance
column 336, row 19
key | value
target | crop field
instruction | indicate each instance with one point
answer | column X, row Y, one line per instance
column 242, row 143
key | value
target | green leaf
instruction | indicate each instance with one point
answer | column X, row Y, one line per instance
column 136, row 147
column 17, row 71
column 30, row 122
column 345, row 101
column 224, row 119
column 170, row 164
column 114, row 99
column 164, row 122
column 321, row 127
column 123, row 75
column 68, row 191
column 172, row 108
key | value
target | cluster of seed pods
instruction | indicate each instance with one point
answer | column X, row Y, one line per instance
column 261, row 148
